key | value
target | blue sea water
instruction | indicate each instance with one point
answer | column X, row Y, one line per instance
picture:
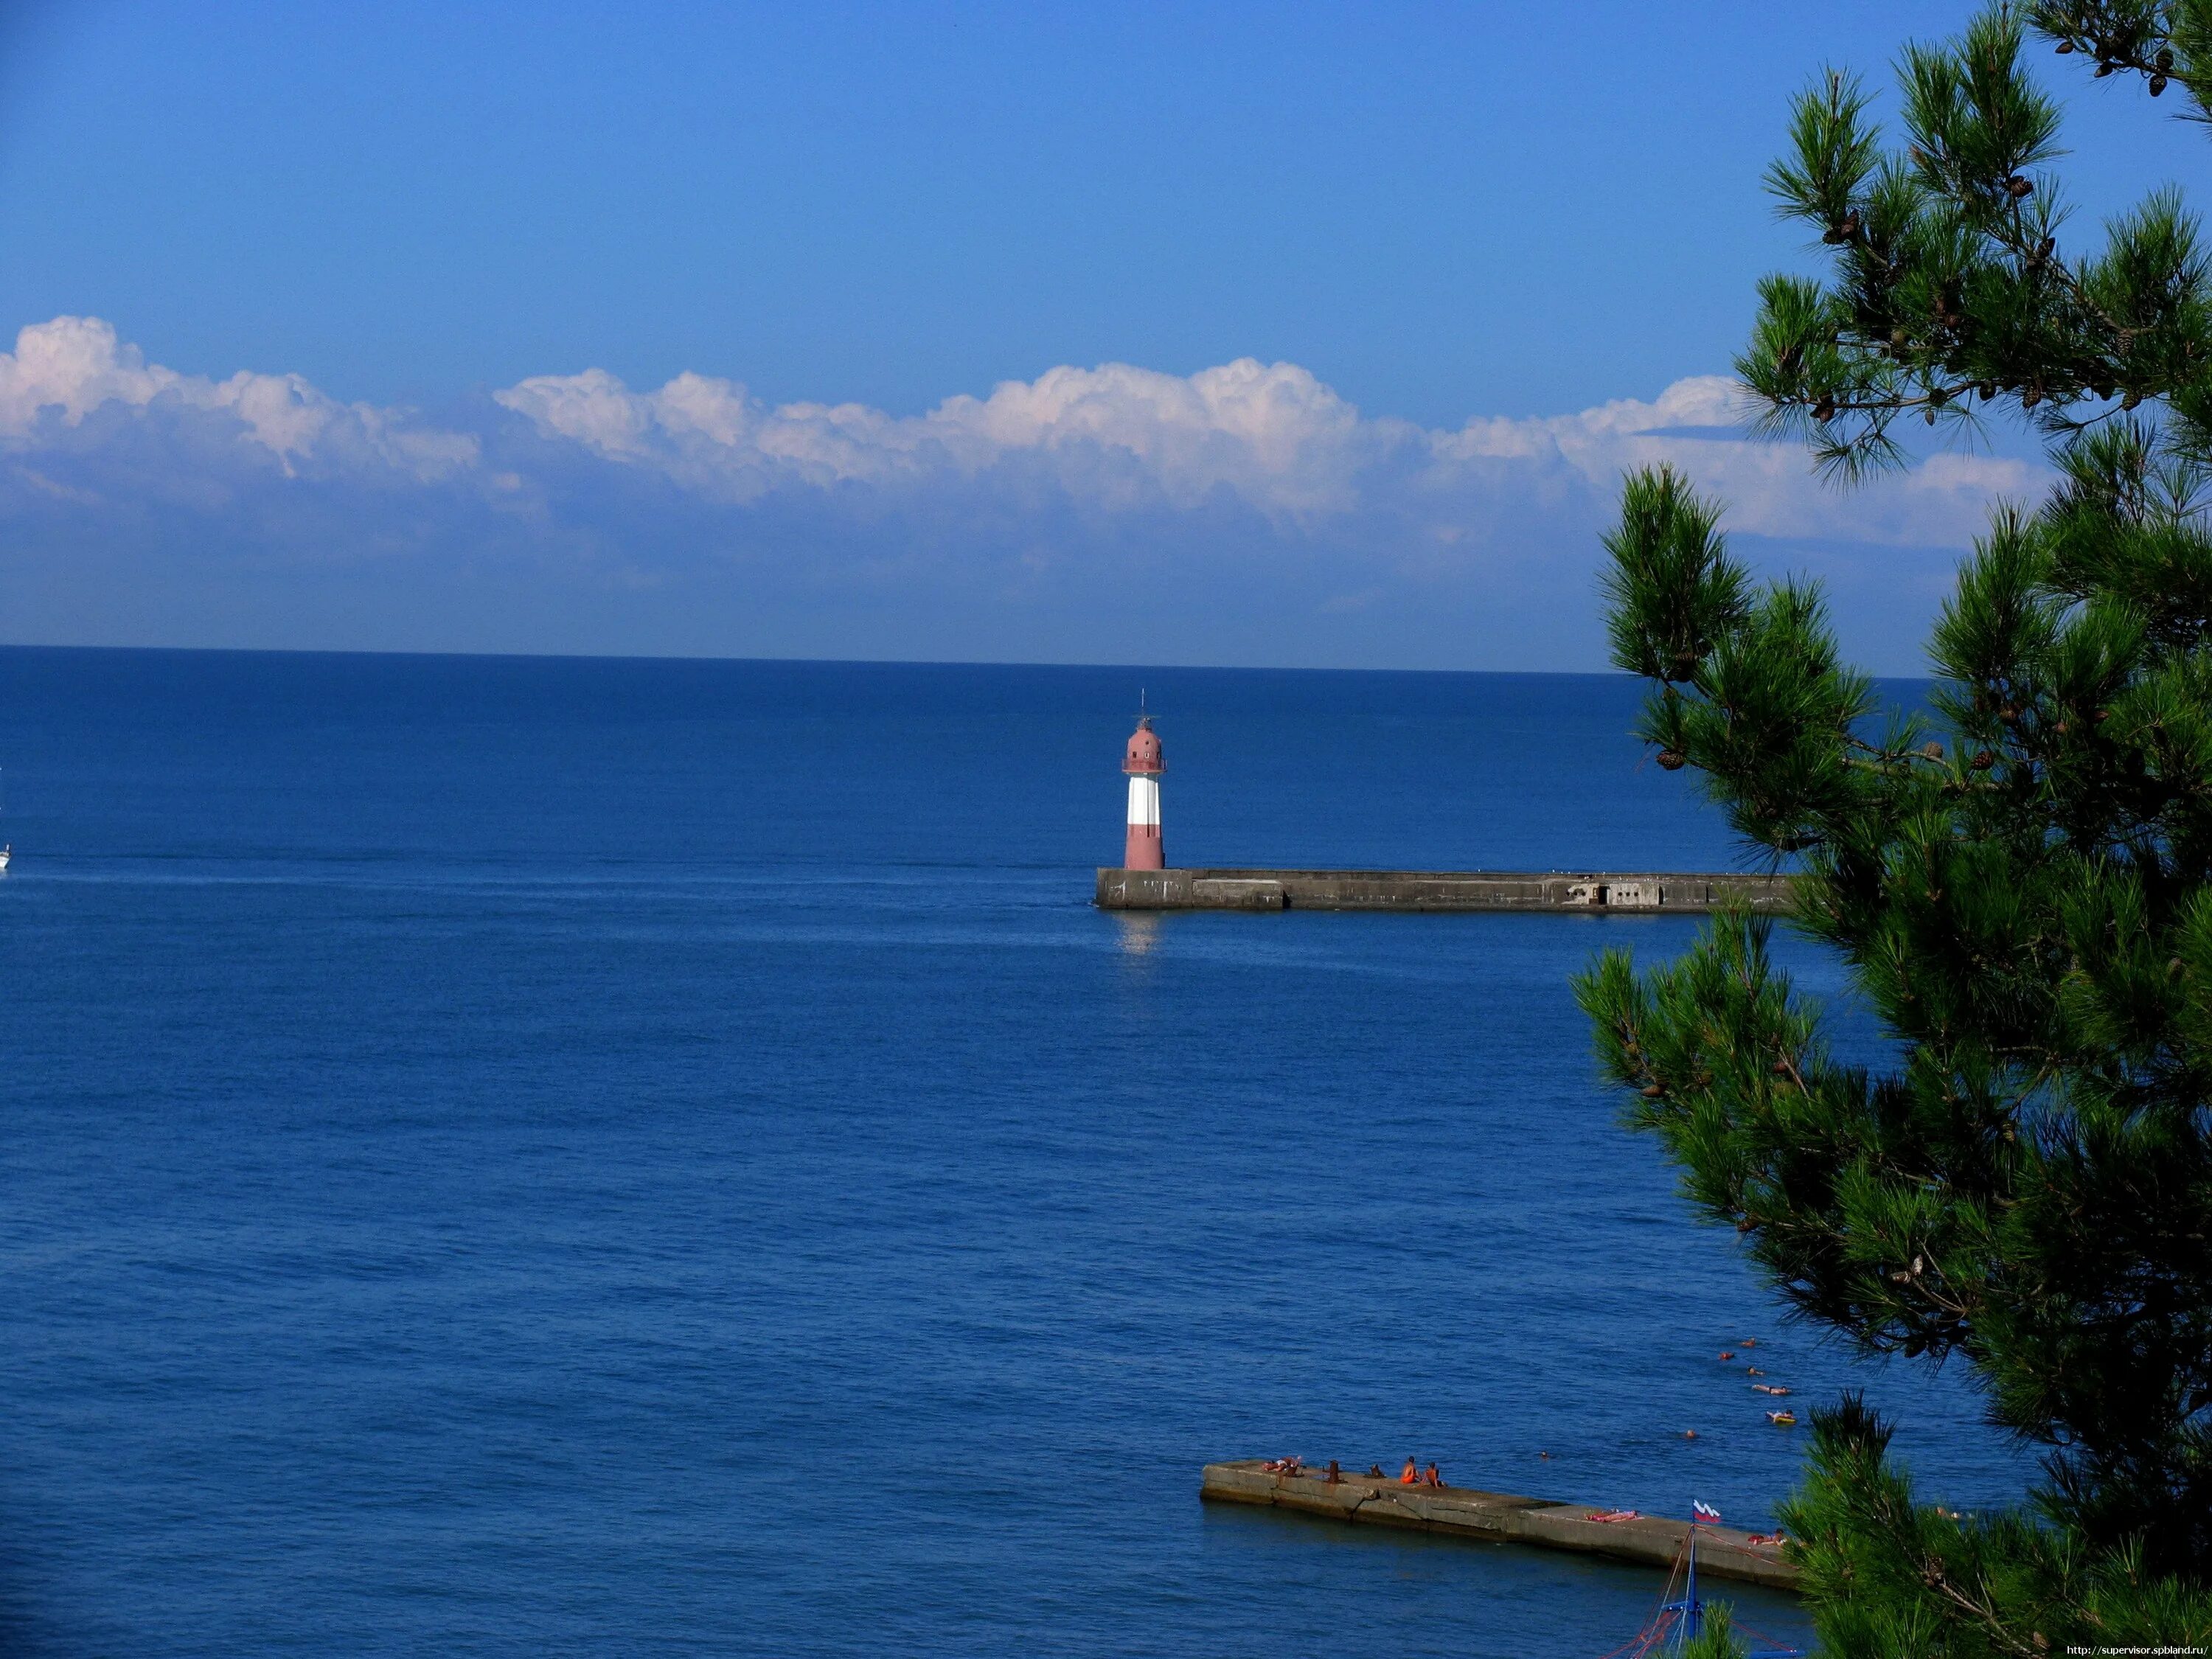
column 516, row 1157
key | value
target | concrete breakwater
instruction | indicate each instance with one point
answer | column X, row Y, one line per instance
column 1722, row 1552
column 1432, row 890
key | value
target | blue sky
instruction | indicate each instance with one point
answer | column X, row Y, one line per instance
column 415, row 226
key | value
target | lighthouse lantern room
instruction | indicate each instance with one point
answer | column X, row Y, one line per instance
column 1143, row 764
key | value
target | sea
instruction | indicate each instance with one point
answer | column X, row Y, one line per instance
column 545, row 1156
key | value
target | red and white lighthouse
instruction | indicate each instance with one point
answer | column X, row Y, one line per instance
column 1143, row 764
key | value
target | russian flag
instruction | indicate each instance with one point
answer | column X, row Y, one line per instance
column 1704, row 1511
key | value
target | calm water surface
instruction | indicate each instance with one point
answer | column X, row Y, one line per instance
column 516, row 1156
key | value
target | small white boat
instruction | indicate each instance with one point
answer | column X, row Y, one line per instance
column 4, row 852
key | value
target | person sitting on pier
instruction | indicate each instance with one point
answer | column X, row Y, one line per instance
column 1410, row 1475
column 1431, row 1478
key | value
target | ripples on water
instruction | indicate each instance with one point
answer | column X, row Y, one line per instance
column 510, row 1156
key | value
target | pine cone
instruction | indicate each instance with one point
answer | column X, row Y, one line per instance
column 1672, row 759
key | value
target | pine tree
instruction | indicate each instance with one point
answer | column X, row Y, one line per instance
column 2019, row 881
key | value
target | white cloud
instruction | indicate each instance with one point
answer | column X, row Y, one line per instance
column 75, row 365
column 1045, row 517
column 1271, row 435
column 1768, row 489
column 1275, row 435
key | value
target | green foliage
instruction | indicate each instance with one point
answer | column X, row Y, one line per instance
column 1892, row 1576
column 1671, row 591
column 2020, row 883
column 1717, row 1640
column 1949, row 289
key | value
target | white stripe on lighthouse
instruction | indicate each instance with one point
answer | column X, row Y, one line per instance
column 1145, row 801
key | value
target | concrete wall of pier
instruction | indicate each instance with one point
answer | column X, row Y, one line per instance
column 1722, row 1552
column 1434, row 889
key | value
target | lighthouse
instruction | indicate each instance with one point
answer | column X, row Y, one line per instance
column 1143, row 764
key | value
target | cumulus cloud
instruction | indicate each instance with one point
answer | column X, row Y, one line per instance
column 1769, row 487
column 1256, row 488
column 1275, row 435
column 1271, row 435
column 65, row 369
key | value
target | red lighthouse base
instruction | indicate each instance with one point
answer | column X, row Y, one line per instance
column 1144, row 850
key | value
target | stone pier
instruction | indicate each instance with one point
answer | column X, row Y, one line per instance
column 1581, row 890
column 1461, row 1512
